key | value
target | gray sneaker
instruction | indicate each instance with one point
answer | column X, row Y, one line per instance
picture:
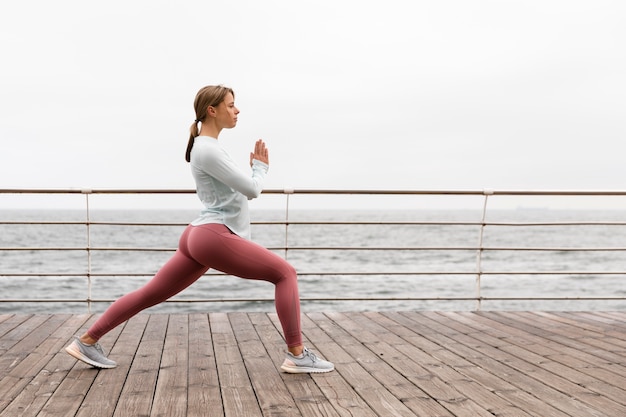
column 90, row 354
column 307, row 363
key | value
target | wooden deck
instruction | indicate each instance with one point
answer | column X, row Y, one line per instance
column 388, row 364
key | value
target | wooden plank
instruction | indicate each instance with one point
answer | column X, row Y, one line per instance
column 24, row 353
column 575, row 344
column 170, row 397
column 525, row 375
column 443, row 364
column 10, row 322
column 603, row 322
column 442, row 375
column 102, row 398
column 566, row 378
column 78, row 379
column 440, row 379
column 533, row 378
column 4, row 317
column 420, row 332
column 566, row 370
column 306, row 394
column 601, row 382
column 238, row 396
column 272, row 394
column 204, row 398
column 16, row 331
column 335, row 388
column 619, row 318
column 29, row 384
column 607, row 337
column 138, row 393
column 334, row 343
column 372, row 346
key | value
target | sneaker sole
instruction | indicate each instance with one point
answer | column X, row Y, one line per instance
column 303, row 370
column 78, row 355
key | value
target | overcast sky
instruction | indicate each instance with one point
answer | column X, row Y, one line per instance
column 459, row 94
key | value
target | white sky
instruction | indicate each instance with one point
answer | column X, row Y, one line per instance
column 456, row 94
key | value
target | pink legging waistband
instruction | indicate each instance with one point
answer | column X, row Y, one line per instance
column 212, row 246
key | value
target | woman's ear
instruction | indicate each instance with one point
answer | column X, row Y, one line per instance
column 210, row 111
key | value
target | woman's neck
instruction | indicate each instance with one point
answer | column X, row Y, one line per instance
column 209, row 129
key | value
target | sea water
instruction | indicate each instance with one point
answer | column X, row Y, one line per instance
column 327, row 273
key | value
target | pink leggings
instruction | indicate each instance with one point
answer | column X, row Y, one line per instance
column 212, row 246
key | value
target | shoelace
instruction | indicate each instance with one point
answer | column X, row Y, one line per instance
column 310, row 354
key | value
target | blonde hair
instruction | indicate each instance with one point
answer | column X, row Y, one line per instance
column 211, row 95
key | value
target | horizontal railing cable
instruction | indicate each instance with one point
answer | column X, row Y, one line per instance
column 482, row 249
column 335, row 248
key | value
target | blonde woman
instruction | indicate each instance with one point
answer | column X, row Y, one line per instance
column 218, row 239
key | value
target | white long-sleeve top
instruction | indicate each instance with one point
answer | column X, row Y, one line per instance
column 223, row 188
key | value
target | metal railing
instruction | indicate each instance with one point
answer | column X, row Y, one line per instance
column 482, row 249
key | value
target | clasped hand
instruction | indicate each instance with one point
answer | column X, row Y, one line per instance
column 260, row 152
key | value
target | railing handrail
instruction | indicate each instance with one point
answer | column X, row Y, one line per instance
column 480, row 248
column 356, row 191
column 329, row 222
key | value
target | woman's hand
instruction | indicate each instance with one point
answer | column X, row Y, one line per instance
column 260, row 153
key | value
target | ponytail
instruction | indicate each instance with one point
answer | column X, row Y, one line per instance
column 193, row 132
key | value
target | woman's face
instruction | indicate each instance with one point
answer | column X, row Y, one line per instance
column 226, row 112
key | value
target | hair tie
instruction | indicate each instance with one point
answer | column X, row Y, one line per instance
column 198, row 120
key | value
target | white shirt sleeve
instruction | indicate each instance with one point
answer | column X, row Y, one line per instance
column 218, row 164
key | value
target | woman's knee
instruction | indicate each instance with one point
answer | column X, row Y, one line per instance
column 289, row 273
column 292, row 271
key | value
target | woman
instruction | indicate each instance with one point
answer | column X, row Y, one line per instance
column 218, row 238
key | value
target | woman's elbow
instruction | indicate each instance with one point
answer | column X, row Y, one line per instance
column 251, row 194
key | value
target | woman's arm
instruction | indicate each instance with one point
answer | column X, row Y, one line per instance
column 219, row 165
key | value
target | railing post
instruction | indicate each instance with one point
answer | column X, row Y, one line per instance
column 479, row 254
column 288, row 192
column 88, row 224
